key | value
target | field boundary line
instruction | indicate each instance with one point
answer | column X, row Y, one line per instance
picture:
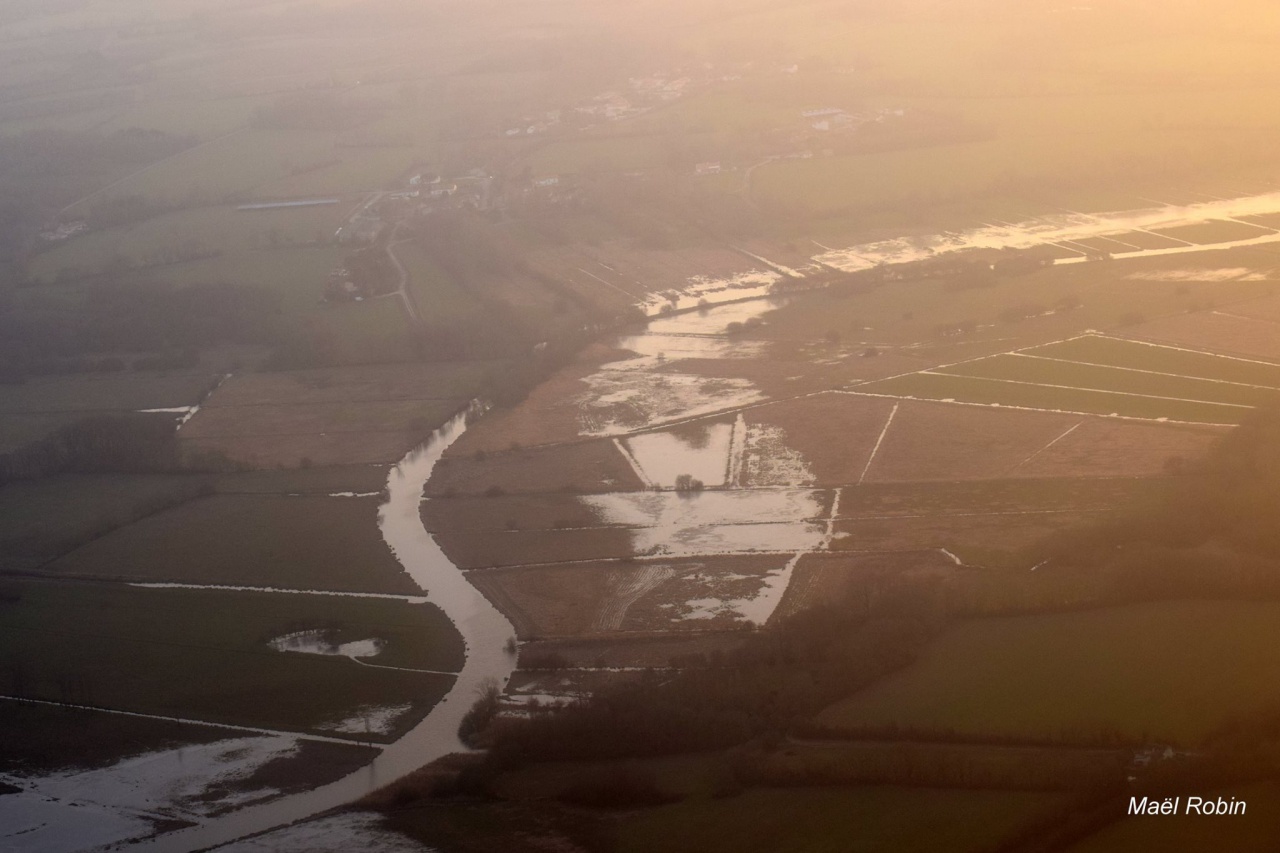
column 355, row 659
column 1013, row 408
column 187, row 721
column 408, row 599
column 628, row 294
column 1245, row 317
column 634, row 463
column 149, row 167
column 645, row 558
column 997, row 512
column 317, row 431
column 286, row 405
column 1091, row 390
column 862, row 382
column 1150, row 343
column 1151, row 372
column 1070, row 430
column 876, row 449
column 835, row 514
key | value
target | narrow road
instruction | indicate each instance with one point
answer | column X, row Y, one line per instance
column 402, row 284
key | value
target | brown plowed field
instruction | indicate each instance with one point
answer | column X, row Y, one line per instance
column 983, row 539
column 834, row 579
column 930, row 441
column 1214, row 332
column 1104, row 448
column 834, row 433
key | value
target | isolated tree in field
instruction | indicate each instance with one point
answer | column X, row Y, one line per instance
column 687, row 483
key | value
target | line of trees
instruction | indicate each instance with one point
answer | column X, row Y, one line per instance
column 106, row 444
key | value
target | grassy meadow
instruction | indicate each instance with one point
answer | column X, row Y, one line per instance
column 1171, row 671
column 875, row 819
column 41, row 520
column 311, row 542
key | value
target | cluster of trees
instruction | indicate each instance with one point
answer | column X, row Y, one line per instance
column 759, row 691
column 371, row 270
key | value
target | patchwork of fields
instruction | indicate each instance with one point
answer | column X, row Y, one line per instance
column 1100, row 375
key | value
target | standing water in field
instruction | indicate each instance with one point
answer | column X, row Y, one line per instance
column 753, row 498
column 484, row 630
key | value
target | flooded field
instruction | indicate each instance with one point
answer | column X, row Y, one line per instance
column 484, row 630
column 82, row 809
column 712, row 505
column 319, row 642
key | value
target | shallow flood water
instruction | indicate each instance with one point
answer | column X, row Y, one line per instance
column 315, row 643
column 84, row 809
column 702, row 452
column 484, row 630
column 715, row 522
column 703, row 290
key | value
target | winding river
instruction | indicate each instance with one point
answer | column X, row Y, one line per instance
column 484, row 630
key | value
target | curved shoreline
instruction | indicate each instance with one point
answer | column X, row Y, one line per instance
column 484, row 631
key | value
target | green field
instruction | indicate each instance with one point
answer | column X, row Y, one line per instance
column 936, row 386
column 44, row 519
column 201, row 229
column 203, row 654
column 368, row 332
column 296, row 274
column 440, row 298
column 868, row 820
column 1123, row 380
column 375, row 331
column 889, row 499
column 307, row 542
column 1094, row 349
column 1171, row 671
column 227, row 168
column 1101, row 376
